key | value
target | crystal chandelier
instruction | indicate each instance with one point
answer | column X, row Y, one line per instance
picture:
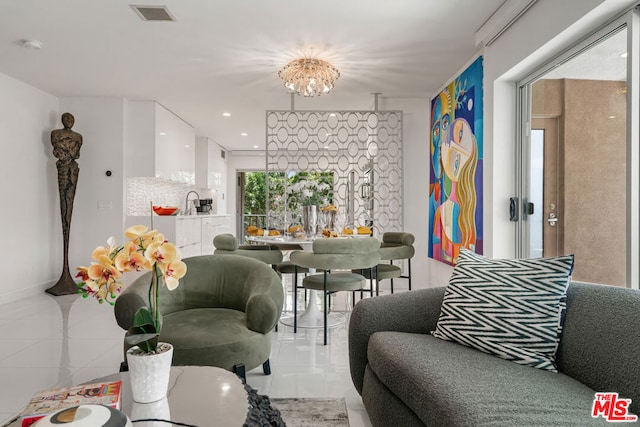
column 309, row 76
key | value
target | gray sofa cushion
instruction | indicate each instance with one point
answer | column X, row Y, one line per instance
column 445, row 383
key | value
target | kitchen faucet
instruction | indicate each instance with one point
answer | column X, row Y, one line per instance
column 188, row 211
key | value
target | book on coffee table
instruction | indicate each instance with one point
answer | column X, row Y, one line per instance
column 49, row 401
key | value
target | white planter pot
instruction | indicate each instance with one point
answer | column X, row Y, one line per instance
column 149, row 374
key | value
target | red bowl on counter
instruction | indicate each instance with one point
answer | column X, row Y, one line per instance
column 166, row 210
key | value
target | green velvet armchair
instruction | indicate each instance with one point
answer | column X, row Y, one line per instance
column 220, row 314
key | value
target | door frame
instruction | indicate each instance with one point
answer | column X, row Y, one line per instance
column 552, row 178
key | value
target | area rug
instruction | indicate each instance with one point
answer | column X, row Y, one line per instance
column 310, row 412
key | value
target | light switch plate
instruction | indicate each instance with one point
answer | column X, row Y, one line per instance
column 105, row 205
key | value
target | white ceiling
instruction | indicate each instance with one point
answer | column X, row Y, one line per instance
column 224, row 55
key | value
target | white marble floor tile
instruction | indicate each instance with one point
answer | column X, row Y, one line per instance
column 48, row 342
column 19, row 384
column 55, row 353
column 11, row 347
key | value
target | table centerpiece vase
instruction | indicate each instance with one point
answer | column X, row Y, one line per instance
column 310, row 219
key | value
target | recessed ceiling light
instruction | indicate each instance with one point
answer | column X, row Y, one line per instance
column 612, row 117
column 623, row 55
column 226, row 114
column 255, row 146
column 163, row 133
column 187, row 146
column 244, row 134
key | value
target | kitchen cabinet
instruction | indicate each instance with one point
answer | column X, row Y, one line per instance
column 188, row 235
column 163, row 140
column 211, row 227
column 211, row 171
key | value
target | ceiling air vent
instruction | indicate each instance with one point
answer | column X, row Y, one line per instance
column 223, row 154
column 153, row 13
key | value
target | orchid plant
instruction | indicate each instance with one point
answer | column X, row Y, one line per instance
column 145, row 250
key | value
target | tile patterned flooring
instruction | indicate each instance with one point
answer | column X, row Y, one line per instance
column 40, row 350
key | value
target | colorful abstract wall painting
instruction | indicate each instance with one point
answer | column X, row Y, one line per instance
column 455, row 185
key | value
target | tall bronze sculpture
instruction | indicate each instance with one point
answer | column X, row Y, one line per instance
column 66, row 148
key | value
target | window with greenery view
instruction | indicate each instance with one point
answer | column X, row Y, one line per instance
column 287, row 193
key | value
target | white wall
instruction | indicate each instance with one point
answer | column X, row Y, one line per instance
column 30, row 223
column 98, row 209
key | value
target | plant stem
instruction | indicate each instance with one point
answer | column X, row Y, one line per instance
column 154, row 291
column 155, row 305
column 153, row 281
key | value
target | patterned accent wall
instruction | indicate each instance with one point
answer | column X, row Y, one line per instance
column 367, row 143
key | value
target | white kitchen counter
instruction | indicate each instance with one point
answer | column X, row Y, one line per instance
column 198, row 216
column 192, row 234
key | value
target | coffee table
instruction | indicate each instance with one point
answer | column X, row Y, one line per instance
column 198, row 395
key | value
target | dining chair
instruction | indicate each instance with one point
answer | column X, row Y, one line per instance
column 270, row 254
column 227, row 244
column 334, row 256
column 394, row 246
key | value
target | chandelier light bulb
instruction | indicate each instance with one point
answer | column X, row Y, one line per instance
column 309, row 76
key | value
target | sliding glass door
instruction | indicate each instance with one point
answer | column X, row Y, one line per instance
column 578, row 192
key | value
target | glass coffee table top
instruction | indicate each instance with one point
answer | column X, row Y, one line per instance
column 197, row 396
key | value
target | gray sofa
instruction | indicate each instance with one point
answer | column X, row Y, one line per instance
column 406, row 377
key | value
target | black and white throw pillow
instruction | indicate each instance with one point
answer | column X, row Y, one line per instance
column 513, row 309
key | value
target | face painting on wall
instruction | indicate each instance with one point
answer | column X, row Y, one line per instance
column 455, row 185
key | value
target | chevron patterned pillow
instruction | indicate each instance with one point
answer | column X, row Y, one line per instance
column 513, row 309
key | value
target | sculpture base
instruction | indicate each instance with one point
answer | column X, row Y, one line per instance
column 65, row 286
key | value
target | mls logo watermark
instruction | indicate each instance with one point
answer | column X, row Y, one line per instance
column 612, row 408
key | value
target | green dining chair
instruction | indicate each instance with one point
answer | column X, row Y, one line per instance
column 333, row 256
column 395, row 246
